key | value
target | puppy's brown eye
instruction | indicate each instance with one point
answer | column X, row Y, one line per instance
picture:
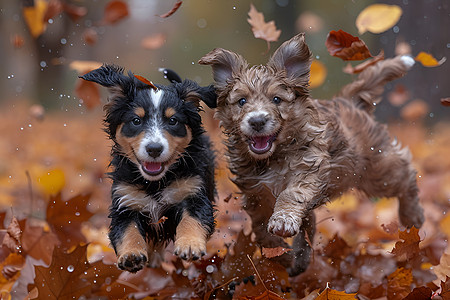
column 136, row 121
column 173, row 121
column 276, row 100
column 242, row 101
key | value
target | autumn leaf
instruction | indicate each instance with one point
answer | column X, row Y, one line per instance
column 63, row 278
column 38, row 242
column 175, row 7
column 89, row 92
column 274, row 252
column 90, row 36
column 34, row 17
column 153, row 42
column 146, row 81
column 330, row 294
column 13, row 235
column 445, row 101
column 11, row 267
column 414, row 110
column 445, row 289
column 443, row 269
column 409, row 247
column 378, row 18
column 261, row 29
column 422, row 292
column 428, row 60
column 346, row 46
column 54, row 8
column 364, row 65
column 51, row 182
column 115, row 11
column 74, row 12
column 399, row 284
column 17, row 41
column 318, row 74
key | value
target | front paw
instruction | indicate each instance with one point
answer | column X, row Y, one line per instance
column 190, row 248
column 132, row 261
column 284, row 224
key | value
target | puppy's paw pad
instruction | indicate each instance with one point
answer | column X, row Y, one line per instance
column 190, row 249
column 284, row 225
column 132, row 261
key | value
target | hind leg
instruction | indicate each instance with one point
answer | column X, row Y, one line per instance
column 302, row 248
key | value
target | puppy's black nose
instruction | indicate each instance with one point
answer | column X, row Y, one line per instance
column 154, row 149
column 257, row 122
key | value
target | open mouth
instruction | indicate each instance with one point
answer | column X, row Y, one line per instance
column 152, row 168
column 261, row 144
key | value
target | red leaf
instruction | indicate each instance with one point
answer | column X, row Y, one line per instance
column 346, row 46
column 422, row 293
column 409, row 248
column 274, row 252
column 175, row 7
column 115, row 11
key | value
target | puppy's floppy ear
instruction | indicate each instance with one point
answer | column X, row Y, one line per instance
column 225, row 65
column 190, row 91
column 106, row 75
column 295, row 58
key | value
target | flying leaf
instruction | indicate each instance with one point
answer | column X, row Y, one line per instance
column 175, row 7
column 51, row 182
column 399, row 283
column 146, row 81
column 414, row 110
column 346, row 46
column 330, row 294
column 153, row 42
column 54, row 8
column 427, row 60
column 115, row 11
column 34, row 17
column 89, row 92
column 274, row 252
column 409, row 248
column 318, row 74
column 364, row 65
column 261, row 29
column 90, row 36
column 445, row 101
column 378, row 18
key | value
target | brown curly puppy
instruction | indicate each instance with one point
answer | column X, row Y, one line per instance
column 290, row 153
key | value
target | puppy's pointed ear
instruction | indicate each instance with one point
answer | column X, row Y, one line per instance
column 106, row 75
column 295, row 58
column 225, row 65
column 190, row 91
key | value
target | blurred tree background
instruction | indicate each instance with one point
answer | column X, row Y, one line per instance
column 37, row 69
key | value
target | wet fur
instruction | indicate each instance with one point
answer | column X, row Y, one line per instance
column 322, row 148
column 183, row 192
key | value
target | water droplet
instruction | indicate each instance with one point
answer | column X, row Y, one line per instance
column 372, row 148
column 70, row 268
column 77, row 214
column 210, row 269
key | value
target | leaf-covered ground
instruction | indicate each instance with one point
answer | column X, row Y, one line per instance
column 54, row 197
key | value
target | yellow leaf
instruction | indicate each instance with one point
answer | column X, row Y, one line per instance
column 52, row 182
column 261, row 29
column 34, row 17
column 345, row 203
column 445, row 225
column 378, row 18
column 318, row 74
column 427, row 60
column 330, row 294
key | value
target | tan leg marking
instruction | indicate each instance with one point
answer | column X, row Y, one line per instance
column 132, row 251
column 190, row 240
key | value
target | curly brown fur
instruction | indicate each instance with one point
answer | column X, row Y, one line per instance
column 290, row 153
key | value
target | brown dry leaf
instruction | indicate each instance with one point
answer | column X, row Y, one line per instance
column 399, row 284
column 146, row 81
column 318, row 74
column 422, row 292
column 13, row 235
column 445, row 289
column 17, row 41
column 11, row 267
column 63, row 278
column 398, row 96
column 378, row 18
column 414, row 110
column 115, row 11
column 54, row 8
column 346, row 46
column 38, row 242
column 409, row 247
column 428, row 60
column 261, row 29
column 74, row 12
column 330, row 294
column 443, row 269
column 274, row 252
column 445, row 101
column 66, row 218
column 175, row 7
column 349, row 69
column 100, row 273
column 90, row 36
column 34, row 17
column 89, row 92
column 153, row 42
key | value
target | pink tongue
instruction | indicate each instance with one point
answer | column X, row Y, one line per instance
column 152, row 167
column 260, row 142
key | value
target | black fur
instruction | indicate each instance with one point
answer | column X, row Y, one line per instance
column 197, row 160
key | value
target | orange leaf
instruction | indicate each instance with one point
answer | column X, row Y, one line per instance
column 153, row 41
column 34, row 17
column 346, row 46
column 399, row 283
column 330, row 294
column 90, row 36
column 445, row 101
column 427, row 60
column 115, row 11
column 175, row 7
column 414, row 110
column 409, row 248
column 378, row 18
column 261, row 29
column 318, row 74
column 274, row 252
column 146, row 81
column 89, row 92
column 51, row 182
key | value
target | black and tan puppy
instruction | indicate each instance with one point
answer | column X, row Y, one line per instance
column 163, row 168
column 290, row 153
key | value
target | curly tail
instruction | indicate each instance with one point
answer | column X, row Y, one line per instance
column 366, row 90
